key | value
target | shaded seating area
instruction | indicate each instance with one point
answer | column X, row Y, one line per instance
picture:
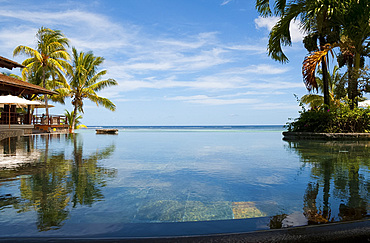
column 20, row 114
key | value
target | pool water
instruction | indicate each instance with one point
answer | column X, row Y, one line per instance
column 122, row 185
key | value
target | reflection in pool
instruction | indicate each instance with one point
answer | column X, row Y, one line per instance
column 88, row 184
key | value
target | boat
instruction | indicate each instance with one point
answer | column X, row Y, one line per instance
column 106, row 131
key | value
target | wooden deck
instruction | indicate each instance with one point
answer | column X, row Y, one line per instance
column 39, row 124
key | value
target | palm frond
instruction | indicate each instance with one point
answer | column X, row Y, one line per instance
column 313, row 100
column 311, row 62
column 263, row 8
column 25, row 50
column 280, row 33
column 106, row 103
column 103, row 84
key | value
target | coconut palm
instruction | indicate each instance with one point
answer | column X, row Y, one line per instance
column 84, row 82
column 49, row 59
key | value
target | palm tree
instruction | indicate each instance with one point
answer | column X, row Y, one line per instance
column 356, row 28
column 84, row 82
column 49, row 59
column 316, row 17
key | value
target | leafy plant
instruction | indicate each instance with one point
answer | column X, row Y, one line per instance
column 341, row 120
column 69, row 116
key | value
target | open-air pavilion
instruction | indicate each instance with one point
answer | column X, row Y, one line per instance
column 10, row 118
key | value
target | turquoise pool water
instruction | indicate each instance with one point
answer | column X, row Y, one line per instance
column 177, row 178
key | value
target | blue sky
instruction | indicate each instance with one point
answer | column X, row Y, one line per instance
column 177, row 62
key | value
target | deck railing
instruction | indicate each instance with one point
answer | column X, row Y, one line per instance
column 21, row 119
column 50, row 120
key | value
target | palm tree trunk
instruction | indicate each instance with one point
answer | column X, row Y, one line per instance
column 325, row 80
column 325, row 77
column 73, row 119
column 350, row 82
column 353, row 82
column 45, row 95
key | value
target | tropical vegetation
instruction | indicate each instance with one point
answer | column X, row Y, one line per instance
column 336, row 30
column 48, row 66
column 339, row 120
column 69, row 116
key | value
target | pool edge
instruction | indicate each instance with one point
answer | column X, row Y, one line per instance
column 354, row 231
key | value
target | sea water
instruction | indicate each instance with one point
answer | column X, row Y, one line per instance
column 90, row 184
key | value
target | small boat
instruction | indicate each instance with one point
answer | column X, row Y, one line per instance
column 106, row 131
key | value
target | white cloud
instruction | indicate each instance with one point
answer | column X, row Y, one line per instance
column 269, row 22
column 85, row 30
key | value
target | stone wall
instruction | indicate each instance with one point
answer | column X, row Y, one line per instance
column 325, row 136
column 11, row 133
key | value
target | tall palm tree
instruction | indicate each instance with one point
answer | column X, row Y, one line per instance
column 84, row 82
column 316, row 17
column 49, row 59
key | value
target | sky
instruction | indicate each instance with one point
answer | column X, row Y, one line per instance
column 177, row 62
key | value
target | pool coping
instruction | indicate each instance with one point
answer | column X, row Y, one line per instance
column 325, row 136
column 354, row 231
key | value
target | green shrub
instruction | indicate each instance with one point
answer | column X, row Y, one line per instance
column 340, row 120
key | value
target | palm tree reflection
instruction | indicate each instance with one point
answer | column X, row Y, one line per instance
column 87, row 176
column 61, row 182
column 339, row 175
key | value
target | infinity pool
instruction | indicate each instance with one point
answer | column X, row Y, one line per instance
column 176, row 181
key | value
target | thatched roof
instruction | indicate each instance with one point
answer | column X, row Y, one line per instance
column 9, row 64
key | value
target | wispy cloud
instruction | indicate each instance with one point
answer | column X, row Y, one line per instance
column 206, row 100
column 225, row 2
column 252, row 49
column 84, row 29
column 261, row 69
column 274, row 106
column 141, row 60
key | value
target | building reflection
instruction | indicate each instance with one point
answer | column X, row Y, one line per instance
column 339, row 185
column 53, row 183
